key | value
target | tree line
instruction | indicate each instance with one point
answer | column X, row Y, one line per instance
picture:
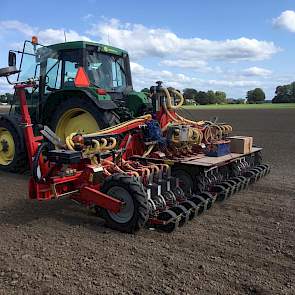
column 202, row 97
column 192, row 95
column 285, row 94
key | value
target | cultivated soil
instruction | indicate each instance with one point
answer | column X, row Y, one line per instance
column 243, row 246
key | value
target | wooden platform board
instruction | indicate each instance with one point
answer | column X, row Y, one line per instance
column 203, row 160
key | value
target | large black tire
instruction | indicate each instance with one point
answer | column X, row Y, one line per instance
column 136, row 194
column 104, row 118
column 19, row 162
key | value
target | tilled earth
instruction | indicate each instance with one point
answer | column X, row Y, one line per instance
column 243, row 246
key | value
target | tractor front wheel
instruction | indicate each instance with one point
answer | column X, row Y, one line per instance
column 135, row 212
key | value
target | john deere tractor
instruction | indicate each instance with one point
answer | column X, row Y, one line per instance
column 83, row 86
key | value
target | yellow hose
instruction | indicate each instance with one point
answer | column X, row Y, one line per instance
column 169, row 99
column 116, row 127
column 210, row 135
column 169, row 106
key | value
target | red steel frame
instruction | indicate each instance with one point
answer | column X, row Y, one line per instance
column 77, row 187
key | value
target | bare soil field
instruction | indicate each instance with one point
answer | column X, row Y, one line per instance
column 245, row 245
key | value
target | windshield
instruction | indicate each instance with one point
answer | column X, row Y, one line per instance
column 106, row 71
column 30, row 63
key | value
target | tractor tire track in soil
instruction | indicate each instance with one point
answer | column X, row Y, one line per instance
column 243, row 246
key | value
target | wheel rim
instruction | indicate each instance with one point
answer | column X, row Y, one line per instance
column 7, row 147
column 127, row 212
column 76, row 121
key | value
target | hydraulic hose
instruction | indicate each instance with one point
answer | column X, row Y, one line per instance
column 97, row 146
column 168, row 106
column 169, row 99
column 119, row 126
column 36, row 171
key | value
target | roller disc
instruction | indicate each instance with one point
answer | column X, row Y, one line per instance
column 267, row 168
column 170, row 216
column 238, row 182
column 257, row 172
column 229, row 187
column 251, row 175
column 191, row 207
column 243, row 181
column 234, row 185
column 261, row 171
column 200, row 202
column 209, row 198
column 221, row 191
column 180, row 210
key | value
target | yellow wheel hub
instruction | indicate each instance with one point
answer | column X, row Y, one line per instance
column 7, row 147
column 76, row 121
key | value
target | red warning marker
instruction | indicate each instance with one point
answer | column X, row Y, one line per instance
column 81, row 79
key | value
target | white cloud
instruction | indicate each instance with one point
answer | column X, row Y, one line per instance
column 256, row 71
column 51, row 36
column 286, row 20
column 144, row 77
column 173, row 51
column 142, row 41
column 47, row 36
column 16, row 25
column 233, row 83
column 195, row 64
column 87, row 17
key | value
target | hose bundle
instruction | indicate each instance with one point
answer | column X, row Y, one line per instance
column 201, row 130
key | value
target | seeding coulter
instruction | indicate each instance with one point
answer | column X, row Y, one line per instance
column 158, row 170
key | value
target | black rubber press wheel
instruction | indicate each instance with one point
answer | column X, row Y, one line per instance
column 134, row 213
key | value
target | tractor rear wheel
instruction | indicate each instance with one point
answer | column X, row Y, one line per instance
column 80, row 115
column 13, row 155
column 135, row 212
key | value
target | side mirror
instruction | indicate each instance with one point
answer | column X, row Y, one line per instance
column 11, row 59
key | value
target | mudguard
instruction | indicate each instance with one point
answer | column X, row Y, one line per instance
column 104, row 104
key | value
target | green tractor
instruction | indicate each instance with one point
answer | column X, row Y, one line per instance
column 64, row 104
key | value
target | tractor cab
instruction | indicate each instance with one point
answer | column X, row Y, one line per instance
column 106, row 67
column 56, row 67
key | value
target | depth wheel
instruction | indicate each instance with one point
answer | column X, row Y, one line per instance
column 135, row 212
column 170, row 217
column 191, row 207
column 180, row 210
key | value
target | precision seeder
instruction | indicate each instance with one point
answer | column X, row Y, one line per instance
column 157, row 170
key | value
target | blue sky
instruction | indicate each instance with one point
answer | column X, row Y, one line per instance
column 229, row 45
